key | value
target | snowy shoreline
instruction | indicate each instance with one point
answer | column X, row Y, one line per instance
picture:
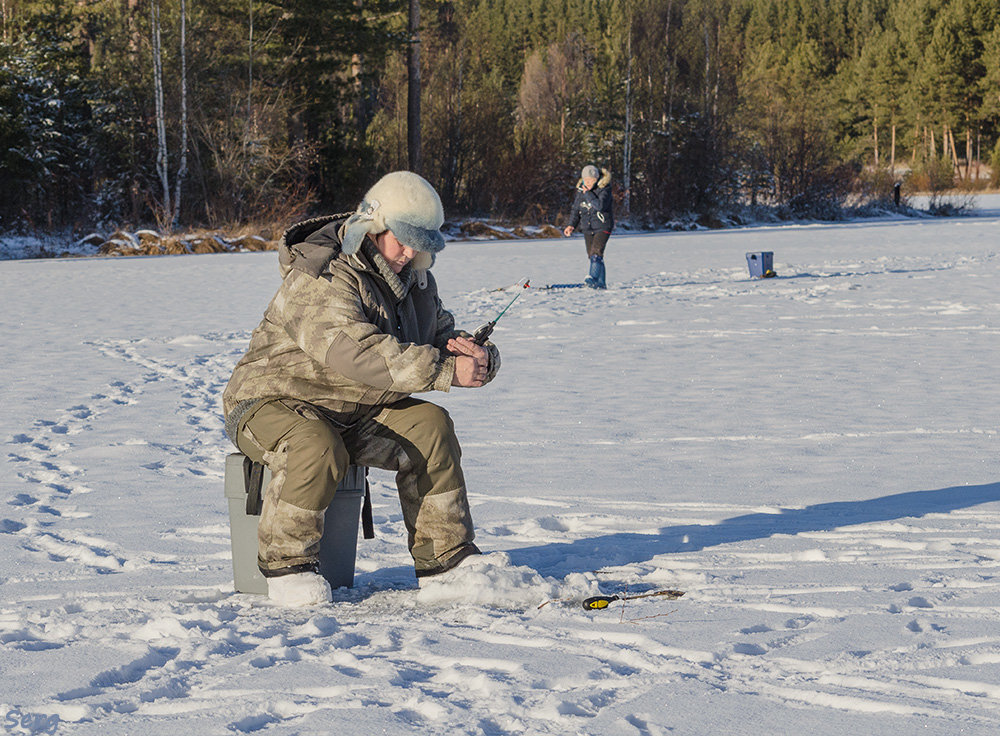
column 145, row 242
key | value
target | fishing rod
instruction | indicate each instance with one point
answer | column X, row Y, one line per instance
column 486, row 330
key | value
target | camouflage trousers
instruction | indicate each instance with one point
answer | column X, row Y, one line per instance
column 308, row 453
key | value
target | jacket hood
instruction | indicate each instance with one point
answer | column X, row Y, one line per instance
column 309, row 246
column 604, row 181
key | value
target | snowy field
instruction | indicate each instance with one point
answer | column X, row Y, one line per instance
column 812, row 458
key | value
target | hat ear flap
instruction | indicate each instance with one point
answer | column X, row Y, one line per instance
column 422, row 260
column 357, row 227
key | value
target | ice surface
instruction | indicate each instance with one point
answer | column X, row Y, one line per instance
column 813, row 458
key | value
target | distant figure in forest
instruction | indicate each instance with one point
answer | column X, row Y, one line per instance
column 592, row 213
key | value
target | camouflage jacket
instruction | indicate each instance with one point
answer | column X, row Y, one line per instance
column 345, row 333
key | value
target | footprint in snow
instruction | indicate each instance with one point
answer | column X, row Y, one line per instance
column 753, row 650
column 799, row 622
column 919, row 626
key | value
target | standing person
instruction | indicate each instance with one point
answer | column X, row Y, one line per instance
column 592, row 211
column 355, row 328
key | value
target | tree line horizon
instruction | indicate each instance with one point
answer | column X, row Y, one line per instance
column 185, row 113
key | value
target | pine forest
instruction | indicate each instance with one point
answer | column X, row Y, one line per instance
column 230, row 113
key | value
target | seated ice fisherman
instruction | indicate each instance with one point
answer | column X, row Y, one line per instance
column 355, row 328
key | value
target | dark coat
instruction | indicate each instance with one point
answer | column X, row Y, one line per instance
column 592, row 210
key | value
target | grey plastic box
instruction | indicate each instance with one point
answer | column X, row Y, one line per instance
column 338, row 548
column 760, row 263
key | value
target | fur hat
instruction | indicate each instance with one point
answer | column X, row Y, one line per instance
column 590, row 172
column 406, row 204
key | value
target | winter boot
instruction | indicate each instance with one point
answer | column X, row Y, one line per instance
column 596, row 280
column 299, row 589
column 444, row 574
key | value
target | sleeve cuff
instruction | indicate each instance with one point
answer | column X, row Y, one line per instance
column 445, row 374
column 494, row 366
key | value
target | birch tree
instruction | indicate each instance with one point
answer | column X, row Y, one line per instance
column 162, row 154
column 182, row 169
column 170, row 205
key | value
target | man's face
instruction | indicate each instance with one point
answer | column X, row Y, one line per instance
column 395, row 253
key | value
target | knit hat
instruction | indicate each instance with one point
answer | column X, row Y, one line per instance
column 406, row 204
column 590, row 172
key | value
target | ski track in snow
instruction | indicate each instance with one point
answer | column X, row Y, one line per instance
column 760, row 619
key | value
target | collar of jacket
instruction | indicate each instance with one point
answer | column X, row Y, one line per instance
column 399, row 284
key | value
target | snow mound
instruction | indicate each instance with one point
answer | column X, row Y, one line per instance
column 488, row 580
column 298, row 590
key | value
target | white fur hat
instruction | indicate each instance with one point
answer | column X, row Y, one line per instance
column 590, row 172
column 406, row 204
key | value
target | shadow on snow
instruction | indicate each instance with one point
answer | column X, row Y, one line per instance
column 562, row 558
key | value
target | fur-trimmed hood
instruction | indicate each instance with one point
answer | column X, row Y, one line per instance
column 602, row 183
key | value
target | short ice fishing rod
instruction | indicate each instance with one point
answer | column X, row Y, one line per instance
column 486, row 330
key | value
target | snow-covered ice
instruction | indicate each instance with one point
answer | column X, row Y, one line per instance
column 811, row 458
